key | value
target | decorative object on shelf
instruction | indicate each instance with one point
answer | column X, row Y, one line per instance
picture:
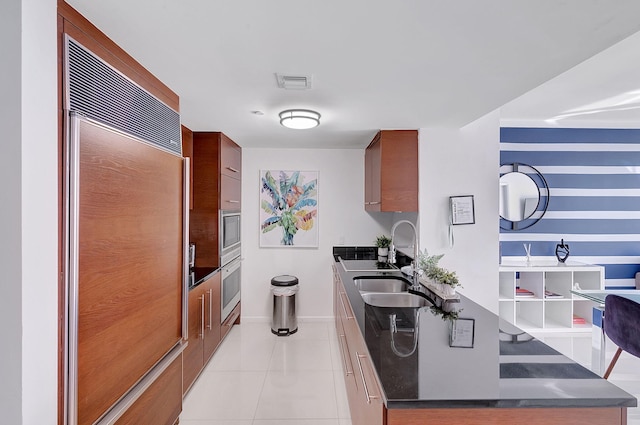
column 290, row 202
column 438, row 279
column 527, row 251
column 524, row 293
column 562, row 251
column 383, row 242
column 524, row 196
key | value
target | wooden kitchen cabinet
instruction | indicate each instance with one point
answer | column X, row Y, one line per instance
column 363, row 390
column 391, row 171
column 161, row 404
column 217, row 182
column 230, row 157
column 204, row 328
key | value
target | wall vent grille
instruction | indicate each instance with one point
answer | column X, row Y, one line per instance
column 98, row 91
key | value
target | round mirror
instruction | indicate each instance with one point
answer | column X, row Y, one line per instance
column 519, row 196
column 524, row 196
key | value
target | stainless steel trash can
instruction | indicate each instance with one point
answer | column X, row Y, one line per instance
column 284, row 289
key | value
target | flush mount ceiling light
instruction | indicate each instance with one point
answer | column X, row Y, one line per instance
column 301, row 119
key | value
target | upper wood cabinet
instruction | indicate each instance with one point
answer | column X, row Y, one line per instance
column 230, row 158
column 391, row 171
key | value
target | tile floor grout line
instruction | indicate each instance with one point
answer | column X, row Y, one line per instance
column 273, row 348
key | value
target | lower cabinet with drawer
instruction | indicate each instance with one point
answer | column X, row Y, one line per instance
column 363, row 390
column 204, row 328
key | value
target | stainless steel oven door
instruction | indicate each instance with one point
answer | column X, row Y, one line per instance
column 230, row 293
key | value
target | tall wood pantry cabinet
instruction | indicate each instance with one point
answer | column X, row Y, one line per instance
column 391, row 171
column 217, row 181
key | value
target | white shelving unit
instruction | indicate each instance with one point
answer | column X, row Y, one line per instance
column 545, row 313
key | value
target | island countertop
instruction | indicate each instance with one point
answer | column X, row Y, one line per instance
column 503, row 368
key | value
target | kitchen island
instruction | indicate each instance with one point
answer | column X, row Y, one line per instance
column 402, row 367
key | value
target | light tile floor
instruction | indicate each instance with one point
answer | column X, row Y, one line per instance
column 257, row 378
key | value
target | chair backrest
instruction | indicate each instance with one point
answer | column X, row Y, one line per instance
column 622, row 323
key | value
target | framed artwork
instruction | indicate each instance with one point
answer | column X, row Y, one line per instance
column 462, row 210
column 462, row 333
column 288, row 208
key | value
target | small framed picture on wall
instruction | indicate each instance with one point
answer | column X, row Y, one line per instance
column 462, row 210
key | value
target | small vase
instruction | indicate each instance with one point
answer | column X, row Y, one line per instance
column 383, row 252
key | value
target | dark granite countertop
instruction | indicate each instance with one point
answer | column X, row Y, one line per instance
column 505, row 367
column 200, row 274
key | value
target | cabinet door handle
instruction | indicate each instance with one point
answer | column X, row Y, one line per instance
column 374, row 203
column 210, row 325
column 233, row 169
column 202, row 316
column 368, row 396
column 344, row 308
column 233, row 201
column 347, row 372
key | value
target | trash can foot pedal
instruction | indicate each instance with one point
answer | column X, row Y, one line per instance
column 284, row 331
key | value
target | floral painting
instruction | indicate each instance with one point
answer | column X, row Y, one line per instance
column 288, row 208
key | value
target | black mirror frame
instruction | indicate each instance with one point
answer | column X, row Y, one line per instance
column 538, row 213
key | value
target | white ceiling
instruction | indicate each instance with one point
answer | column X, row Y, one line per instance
column 376, row 64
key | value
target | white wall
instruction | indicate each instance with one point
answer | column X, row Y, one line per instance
column 463, row 162
column 341, row 220
column 28, row 246
column 10, row 242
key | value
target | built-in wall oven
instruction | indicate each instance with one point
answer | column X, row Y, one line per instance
column 230, row 251
column 230, row 293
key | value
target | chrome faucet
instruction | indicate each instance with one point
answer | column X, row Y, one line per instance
column 414, row 265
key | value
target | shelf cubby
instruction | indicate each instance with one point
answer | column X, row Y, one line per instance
column 547, row 313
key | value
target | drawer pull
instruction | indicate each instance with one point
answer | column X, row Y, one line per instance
column 233, row 169
column 209, row 326
column 347, row 372
column 364, row 381
column 344, row 308
column 202, row 316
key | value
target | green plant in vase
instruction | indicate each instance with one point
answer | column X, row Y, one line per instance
column 444, row 280
column 383, row 242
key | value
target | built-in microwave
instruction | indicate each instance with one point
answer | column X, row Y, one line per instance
column 229, row 231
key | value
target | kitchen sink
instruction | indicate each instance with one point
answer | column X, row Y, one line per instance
column 381, row 283
column 403, row 299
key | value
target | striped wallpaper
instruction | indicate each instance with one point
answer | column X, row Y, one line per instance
column 594, row 204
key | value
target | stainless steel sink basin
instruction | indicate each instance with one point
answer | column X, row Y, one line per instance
column 381, row 284
column 403, row 299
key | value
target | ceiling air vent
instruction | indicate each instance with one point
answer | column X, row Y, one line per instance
column 294, row 82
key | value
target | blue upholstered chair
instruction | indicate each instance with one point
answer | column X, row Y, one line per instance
column 622, row 326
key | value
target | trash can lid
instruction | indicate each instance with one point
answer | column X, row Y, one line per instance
column 284, row 280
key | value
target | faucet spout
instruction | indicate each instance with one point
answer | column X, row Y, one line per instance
column 416, row 251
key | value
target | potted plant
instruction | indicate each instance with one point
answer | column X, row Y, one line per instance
column 439, row 278
column 383, row 242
